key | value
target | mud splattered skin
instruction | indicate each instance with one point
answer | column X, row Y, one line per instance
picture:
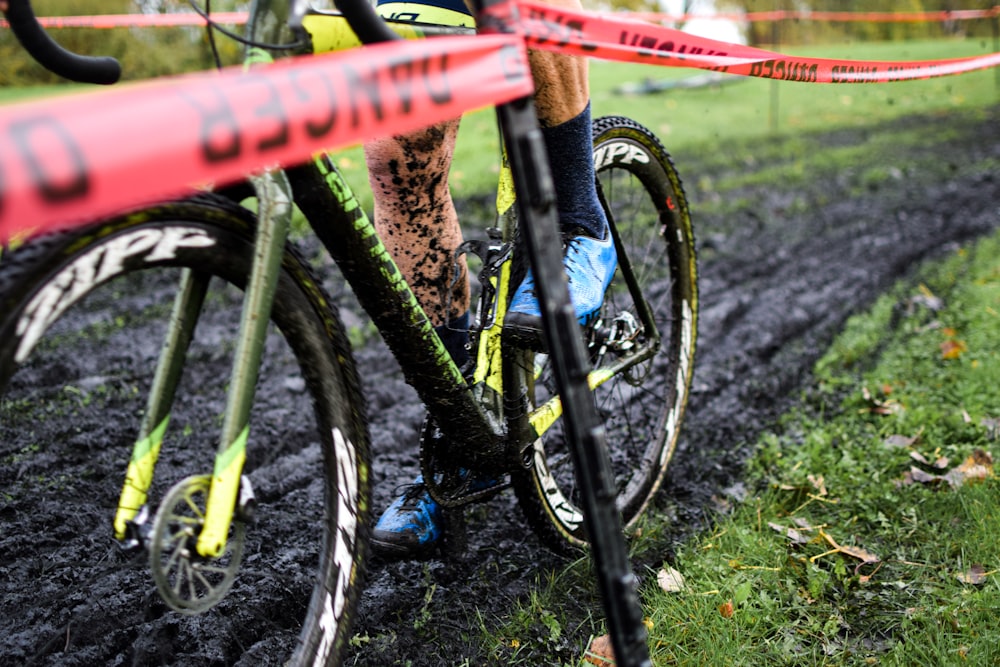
column 416, row 218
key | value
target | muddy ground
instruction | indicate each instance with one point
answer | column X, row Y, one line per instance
column 782, row 266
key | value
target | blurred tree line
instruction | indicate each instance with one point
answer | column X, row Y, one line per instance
column 143, row 52
column 812, row 31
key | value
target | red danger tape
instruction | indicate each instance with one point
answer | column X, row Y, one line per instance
column 137, row 20
column 238, row 18
column 614, row 38
column 843, row 17
column 76, row 158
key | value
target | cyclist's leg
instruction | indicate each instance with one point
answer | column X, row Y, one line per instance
column 414, row 211
column 415, row 217
column 562, row 99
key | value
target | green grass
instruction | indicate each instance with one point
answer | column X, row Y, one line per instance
column 840, row 554
column 902, row 380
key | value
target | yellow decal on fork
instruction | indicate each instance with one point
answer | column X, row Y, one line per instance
column 222, row 496
column 138, row 477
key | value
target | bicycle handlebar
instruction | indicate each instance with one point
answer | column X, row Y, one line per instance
column 368, row 26
column 32, row 36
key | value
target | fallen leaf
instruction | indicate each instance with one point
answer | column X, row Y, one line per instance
column 917, row 476
column 600, row 652
column 928, row 299
column 817, row 482
column 982, row 457
column 859, row 553
column 726, row 609
column 792, row 534
column 992, row 425
column 890, row 407
column 975, row 575
column 900, row 441
column 865, row 557
column 953, row 348
column 977, row 467
column 670, row 580
column 941, row 463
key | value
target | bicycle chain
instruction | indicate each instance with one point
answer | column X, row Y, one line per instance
column 449, row 484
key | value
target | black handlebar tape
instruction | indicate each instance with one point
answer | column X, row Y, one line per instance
column 367, row 25
column 51, row 56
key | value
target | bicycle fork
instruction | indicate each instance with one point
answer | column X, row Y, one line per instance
column 274, row 219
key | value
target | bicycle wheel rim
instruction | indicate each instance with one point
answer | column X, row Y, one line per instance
column 642, row 408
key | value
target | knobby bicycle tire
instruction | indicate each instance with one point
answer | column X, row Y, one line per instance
column 641, row 408
column 69, row 412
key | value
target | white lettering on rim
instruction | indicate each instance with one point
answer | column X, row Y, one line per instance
column 94, row 267
column 622, row 152
column 343, row 552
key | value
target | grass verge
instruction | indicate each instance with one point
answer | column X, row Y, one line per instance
column 868, row 536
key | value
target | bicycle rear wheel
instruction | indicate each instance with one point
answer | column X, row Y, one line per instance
column 643, row 405
column 82, row 318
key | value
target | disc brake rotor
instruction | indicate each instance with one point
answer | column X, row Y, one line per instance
column 188, row 582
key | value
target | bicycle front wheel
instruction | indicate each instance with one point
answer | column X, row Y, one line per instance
column 82, row 320
column 651, row 305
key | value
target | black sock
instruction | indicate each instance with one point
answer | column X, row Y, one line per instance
column 455, row 336
column 570, row 147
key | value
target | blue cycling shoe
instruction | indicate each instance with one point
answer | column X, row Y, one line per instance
column 590, row 264
column 410, row 526
column 413, row 526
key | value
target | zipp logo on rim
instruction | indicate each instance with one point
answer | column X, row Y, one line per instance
column 622, row 152
column 335, row 601
column 94, row 267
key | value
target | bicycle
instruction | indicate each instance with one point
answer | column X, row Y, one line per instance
column 101, row 288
